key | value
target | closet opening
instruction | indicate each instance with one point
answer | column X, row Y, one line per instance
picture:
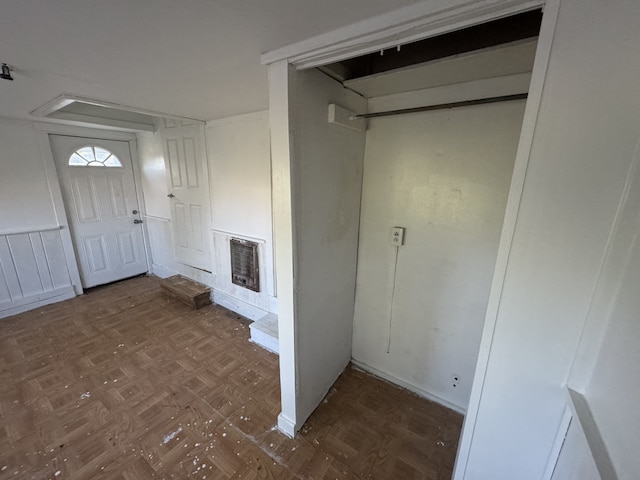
column 443, row 118
column 419, row 140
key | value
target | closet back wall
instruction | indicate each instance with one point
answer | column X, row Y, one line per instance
column 444, row 176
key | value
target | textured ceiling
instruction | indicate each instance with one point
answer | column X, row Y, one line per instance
column 192, row 58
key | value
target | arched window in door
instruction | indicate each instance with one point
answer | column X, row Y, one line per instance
column 93, row 156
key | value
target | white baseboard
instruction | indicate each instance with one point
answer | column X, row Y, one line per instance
column 286, row 426
column 36, row 301
column 162, row 272
column 264, row 332
column 239, row 306
column 412, row 388
column 198, row 275
column 195, row 274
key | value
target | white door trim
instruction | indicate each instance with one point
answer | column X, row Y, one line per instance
column 405, row 25
column 137, row 180
column 64, row 100
column 53, row 183
column 538, row 76
column 76, row 131
column 53, row 180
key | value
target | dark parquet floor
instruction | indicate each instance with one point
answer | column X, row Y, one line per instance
column 122, row 383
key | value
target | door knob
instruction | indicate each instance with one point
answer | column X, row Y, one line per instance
column 171, row 195
column 136, row 221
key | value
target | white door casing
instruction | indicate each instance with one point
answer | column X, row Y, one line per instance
column 100, row 202
column 188, row 191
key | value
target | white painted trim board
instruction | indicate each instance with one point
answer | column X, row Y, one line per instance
column 53, row 183
column 409, row 24
column 35, row 301
column 77, row 131
column 538, row 77
column 22, row 231
column 239, row 306
column 64, row 100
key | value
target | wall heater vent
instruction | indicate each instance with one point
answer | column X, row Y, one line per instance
column 244, row 264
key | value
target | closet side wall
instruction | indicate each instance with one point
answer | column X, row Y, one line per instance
column 327, row 179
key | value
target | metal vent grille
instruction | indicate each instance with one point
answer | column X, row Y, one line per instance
column 244, row 264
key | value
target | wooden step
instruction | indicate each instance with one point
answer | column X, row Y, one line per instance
column 189, row 292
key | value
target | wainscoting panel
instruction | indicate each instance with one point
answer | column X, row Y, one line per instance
column 33, row 270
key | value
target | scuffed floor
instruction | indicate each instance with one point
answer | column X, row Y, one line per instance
column 123, row 383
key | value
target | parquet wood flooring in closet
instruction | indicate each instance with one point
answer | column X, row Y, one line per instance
column 122, row 383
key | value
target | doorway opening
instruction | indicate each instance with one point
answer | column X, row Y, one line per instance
column 444, row 119
column 100, row 196
column 344, row 203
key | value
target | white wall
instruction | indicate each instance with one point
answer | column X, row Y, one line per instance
column 585, row 136
column 444, row 176
column 240, row 170
column 36, row 256
column 25, row 199
column 326, row 174
column 238, row 152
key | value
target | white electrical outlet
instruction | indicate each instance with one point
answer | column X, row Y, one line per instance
column 397, row 236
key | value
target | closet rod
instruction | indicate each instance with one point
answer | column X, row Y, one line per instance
column 441, row 106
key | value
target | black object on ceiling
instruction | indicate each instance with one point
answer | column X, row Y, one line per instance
column 505, row 30
column 5, row 72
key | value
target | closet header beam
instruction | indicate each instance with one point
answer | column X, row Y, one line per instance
column 442, row 106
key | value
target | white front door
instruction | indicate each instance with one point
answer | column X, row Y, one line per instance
column 99, row 192
column 188, row 183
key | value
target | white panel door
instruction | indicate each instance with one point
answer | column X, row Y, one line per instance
column 188, row 183
column 102, row 207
